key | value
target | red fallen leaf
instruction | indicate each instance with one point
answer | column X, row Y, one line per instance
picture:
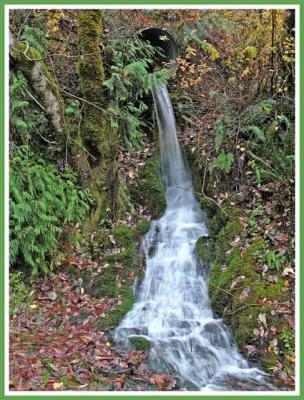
column 278, row 367
column 163, row 382
column 273, row 329
column 120, row 381
column 86, row 339
column 70, row 372
column 103, row 364
column 73, row 261
column 291, row 321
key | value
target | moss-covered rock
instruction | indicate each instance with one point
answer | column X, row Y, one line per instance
column 113, row 317
column 150, row 190
column 126, row 238
column 141, row 343
column 143, row 226
column 204, row 249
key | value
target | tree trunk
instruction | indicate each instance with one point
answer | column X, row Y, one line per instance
column 98, row 136
column 28, row 60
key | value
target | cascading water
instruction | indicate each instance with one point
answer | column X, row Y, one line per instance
column 173, row 310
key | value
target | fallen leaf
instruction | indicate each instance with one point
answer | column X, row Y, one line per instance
column 236, row 281
column 52, row 296
column 57, row 385
column 262, row 318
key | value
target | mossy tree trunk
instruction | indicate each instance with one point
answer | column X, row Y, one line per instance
column 98, row 136
column 28, row 60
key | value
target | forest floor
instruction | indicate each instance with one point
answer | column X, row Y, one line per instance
column 56, row 344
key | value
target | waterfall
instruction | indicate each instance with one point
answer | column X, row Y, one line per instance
column 173, row 309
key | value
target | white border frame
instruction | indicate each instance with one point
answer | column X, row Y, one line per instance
column 296, row 392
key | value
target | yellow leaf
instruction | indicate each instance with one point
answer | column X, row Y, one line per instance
column 163, row 38
column 33, row 306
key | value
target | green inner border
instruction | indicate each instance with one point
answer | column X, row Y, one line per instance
column 2, row 152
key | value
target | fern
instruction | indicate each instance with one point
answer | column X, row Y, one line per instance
column 41, row 202
column 35, row 37
column 130, row 80
column 224, row 162
column 222, row 126
column 259, row 134
column 25, row 118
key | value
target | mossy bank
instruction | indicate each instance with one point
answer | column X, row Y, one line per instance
column 248, row 299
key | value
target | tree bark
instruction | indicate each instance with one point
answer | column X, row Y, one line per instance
column 100, row 139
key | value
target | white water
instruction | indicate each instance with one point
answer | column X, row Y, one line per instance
column 173, row 310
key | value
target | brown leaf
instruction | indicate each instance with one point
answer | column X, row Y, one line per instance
column 163, row 382
column 250, row 349
column 236, row 281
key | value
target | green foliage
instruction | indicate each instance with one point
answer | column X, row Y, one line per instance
column 141, row 343
column 259, row 134
column 35, row 37
column 222, row 126
column 224, row 162
column 130, row 80
column 26, row 119
column 287, row 339
column 19, row 293
column 258, row 113
column 274, row 259
column 270, row 146
column 72, row 109
column 41, row 202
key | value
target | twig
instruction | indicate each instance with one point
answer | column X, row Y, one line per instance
column 242, row 307
column 94, row 158
column 35, row 100
column 51, row 55
column 46, row 140
column 254, row 305
column 74, row 96
column 210, row 198
column 223, row 290
column 25, row 19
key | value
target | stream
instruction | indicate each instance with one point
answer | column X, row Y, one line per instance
column 173, row 310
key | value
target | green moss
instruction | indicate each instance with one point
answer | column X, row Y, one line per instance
column 151, row 189
column 141, row 343
column 27, row 60
column 125, row 238
column 236, row 286
column 204, row 248
column 123, row 234
column 124, row 202
column 143, row 226
column 98, row 136
column 208, row 206
column 103, row 285
column 113, row 317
